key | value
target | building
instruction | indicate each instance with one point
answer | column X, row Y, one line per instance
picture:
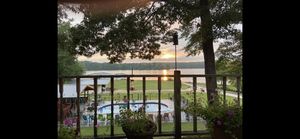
column 86, row 88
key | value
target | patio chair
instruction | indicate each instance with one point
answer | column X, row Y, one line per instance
column 84, row 117
column 92, row 117
column 117, row 117
column 166, row 117
column 187, row 117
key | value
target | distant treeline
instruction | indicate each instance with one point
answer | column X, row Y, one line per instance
column 139, row 66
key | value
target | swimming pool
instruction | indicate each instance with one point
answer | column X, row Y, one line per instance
column 151, row 107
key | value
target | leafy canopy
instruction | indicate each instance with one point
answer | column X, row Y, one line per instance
column 67, row 60
column 138, row 31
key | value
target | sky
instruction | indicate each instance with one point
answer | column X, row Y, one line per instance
column 167, row 51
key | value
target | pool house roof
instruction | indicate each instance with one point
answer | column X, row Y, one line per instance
column 69, row 90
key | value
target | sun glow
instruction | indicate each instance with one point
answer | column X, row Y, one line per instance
column 165, row 73
column 167, row 56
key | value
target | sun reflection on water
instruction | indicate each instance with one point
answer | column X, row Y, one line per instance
column 165, row 73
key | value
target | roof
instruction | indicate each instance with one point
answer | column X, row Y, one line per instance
column 69, row 90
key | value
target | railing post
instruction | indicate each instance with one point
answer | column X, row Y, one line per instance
column 224, row 88
column 112, row 106
column 177, row 104
column 159, row 105
column 194, row 92
column 61, row 90
column 95, row 106
column 144, row 92
column 238, row 83
column 78, row 106
column 128, row 92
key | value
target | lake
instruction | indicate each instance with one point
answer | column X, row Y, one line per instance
column 151, row 72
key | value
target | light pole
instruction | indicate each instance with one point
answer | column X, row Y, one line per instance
column 175, row 42
column 177, row 92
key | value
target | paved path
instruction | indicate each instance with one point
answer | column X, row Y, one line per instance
column 228, row 93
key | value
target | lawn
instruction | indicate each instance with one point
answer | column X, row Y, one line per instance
column 151, row 91
column 150, row 85
column 229, row 87
column 186, row 95
column 202, row 97
column 166, row 127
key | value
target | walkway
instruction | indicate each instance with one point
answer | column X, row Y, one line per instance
column 228, row 93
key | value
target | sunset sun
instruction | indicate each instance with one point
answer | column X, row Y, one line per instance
column 167, row 56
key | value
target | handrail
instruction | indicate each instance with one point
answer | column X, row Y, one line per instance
column 152, row 75
column 177, row 97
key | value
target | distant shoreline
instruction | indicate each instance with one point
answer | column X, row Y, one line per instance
column 142, row 69
column 93, row 66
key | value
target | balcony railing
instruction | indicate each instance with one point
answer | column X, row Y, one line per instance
column 177, row 100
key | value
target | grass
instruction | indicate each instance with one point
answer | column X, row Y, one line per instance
column 151, row 91
column 202, row 97
column 186, row 95
column 229, row 87
column 166, row 127
column 150, row 85
column 164, row 95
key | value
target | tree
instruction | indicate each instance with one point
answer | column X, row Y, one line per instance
column 116, row 35
column 67, row 62
column 229, row 56
column 138, row 30
column 216, row 20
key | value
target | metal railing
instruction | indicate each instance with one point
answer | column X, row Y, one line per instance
column 177, row 99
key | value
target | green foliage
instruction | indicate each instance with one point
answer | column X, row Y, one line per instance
column 116, row 35
column 67, row 64
column 224, row 16
column 64, row 40
column 227, row 116
column 231, row 49
column 231, row 87
column 67, row 60
column 229, row 56
column 138, row 30
column 62, row 9
column 66, row 133
column 166, row 127
column 136, row 122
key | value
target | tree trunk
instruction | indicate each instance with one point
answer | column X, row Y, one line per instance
column 208, row 50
